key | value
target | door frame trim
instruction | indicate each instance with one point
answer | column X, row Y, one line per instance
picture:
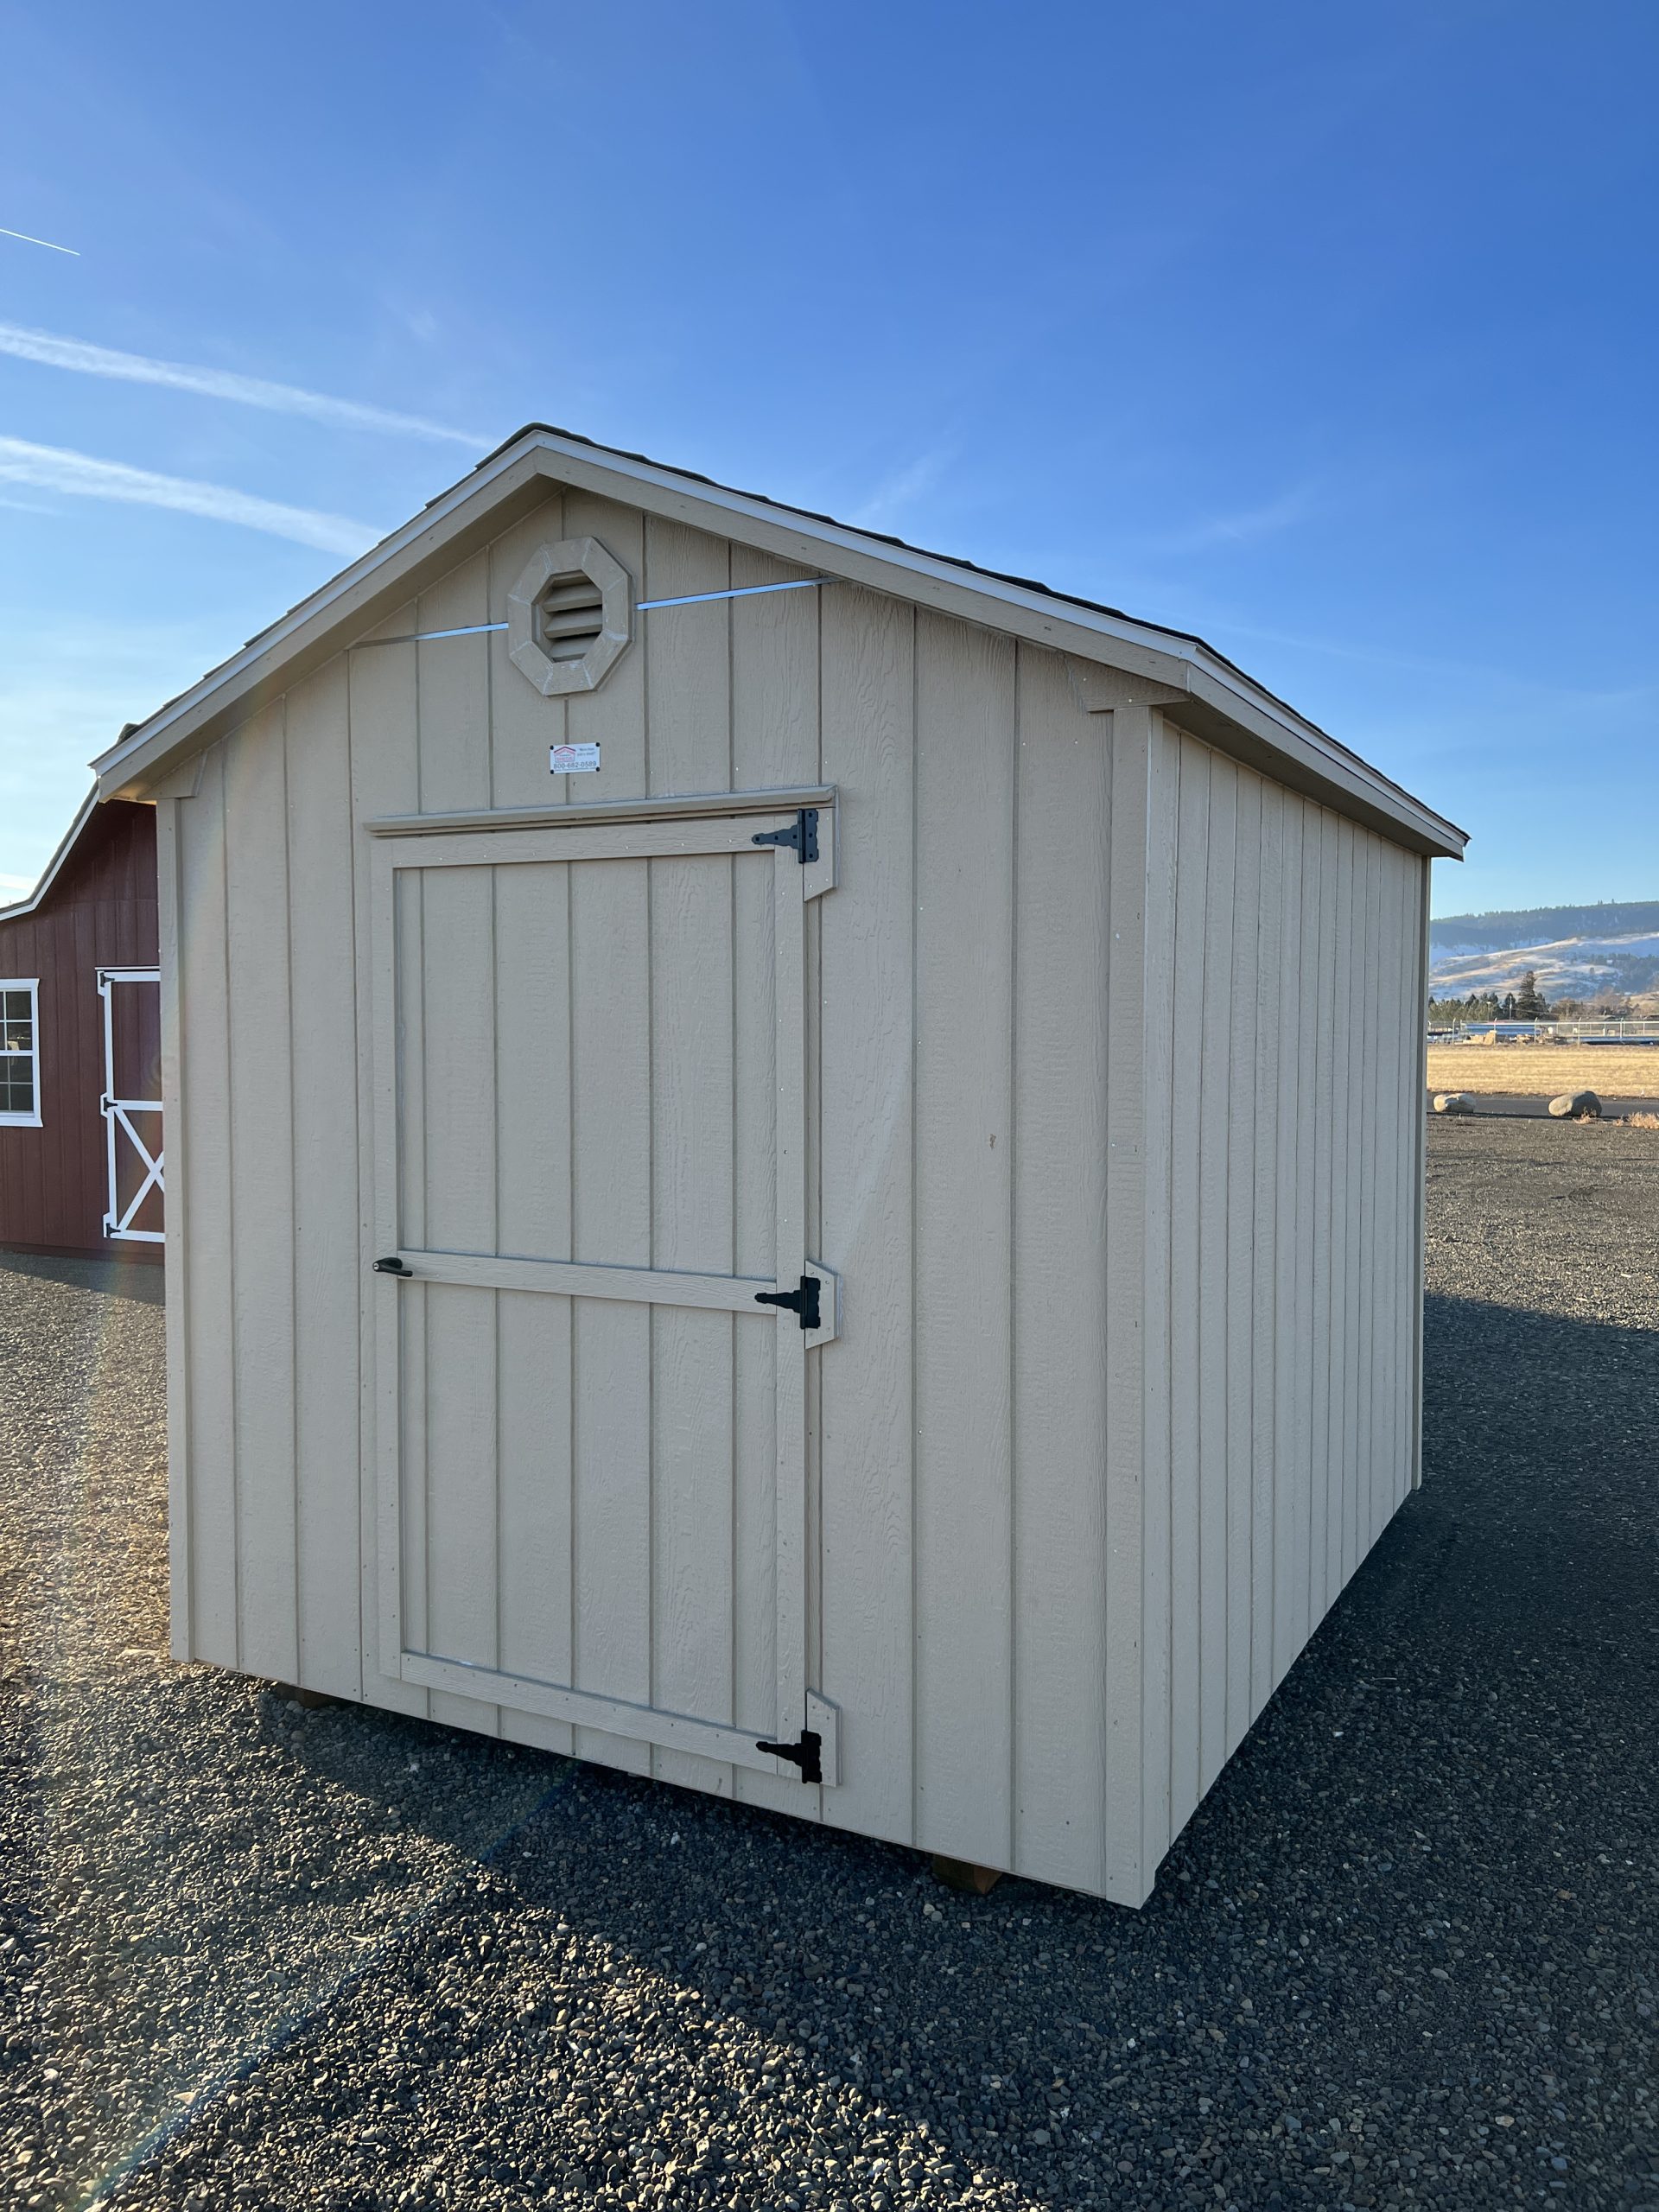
column 680, row 806
column 684, row 826
column 114, row 1109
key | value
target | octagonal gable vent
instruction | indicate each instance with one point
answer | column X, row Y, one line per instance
column 568, row 616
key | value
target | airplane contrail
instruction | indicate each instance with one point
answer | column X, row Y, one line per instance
column 55, row 469
column 84, row 359
column 74, row 251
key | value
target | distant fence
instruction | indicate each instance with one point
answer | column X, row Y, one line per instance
column 1615, row 1031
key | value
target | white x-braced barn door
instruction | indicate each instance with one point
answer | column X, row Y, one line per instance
column 596, row 1304
column 131, row 1104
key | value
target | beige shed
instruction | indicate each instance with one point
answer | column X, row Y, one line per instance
column 792, row 1166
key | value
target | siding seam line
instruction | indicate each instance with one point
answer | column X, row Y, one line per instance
column 292, row 1204
column 913, row 1669
column 230, row 1179
column 1013, row 1302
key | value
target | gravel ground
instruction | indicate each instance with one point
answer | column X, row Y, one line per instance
column 1404, row 1956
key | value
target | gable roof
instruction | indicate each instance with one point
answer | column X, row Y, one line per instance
column 1212, row 697
column 55, row 866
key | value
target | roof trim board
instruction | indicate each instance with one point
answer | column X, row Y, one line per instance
column 1216, row 700
column 55, row 866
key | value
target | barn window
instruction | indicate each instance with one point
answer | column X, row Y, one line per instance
column 20, row 1094
column 568, row 616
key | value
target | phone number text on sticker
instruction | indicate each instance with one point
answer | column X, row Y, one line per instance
column 573, row 759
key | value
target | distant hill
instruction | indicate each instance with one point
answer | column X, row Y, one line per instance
column 1502, row 933
column 1577, row 951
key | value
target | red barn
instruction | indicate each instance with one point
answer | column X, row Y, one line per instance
column 81, row 1046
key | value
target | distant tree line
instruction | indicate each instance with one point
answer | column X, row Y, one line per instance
column 1527, row 1003
column 1496, row 932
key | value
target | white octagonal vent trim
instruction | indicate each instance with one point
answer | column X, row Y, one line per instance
column 568, row 616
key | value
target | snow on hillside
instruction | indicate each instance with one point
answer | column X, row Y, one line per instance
column 1570, row 967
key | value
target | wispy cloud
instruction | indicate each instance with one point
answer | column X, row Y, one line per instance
column 903, row 488
column 1244, row 527
column 87, row 361
column 52, row 468
column 59, row 704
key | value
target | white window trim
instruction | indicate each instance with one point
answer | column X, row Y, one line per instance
column 32, row 985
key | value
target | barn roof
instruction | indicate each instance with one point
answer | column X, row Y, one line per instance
column 55, row 866
column 1214, row 698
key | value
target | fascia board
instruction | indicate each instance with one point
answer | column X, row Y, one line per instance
column 1261, row 720
column 53, row 867
column 484, row 504
column 1217, row 711
column 383, row 579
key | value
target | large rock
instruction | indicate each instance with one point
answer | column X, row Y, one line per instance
column 1456, row 1102
column 1576, row 1106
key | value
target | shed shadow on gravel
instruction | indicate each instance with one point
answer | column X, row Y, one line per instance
column 1404, row 1953
column 1403, row 1956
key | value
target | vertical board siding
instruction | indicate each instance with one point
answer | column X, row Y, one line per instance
column 203, row 1159
column 1266, row 1198
column 261, row 1120
column 610, row 937
column 1288, row 1093
column 866, row 1137
column 1159, row 1498
column 1283, row 1632
column 533, row 1170
column 383, row 737
column 453, row 694
column 774, row 743
column 1213, row 1105
column 169, row 889
column 1062, row 899
column 688, row 688
column 1240, row 1248
column 611, row 1147
column 1187, row 1124
column 962, row 1630
column 1125, row 1262
column 326, row 1288
column 523, row 726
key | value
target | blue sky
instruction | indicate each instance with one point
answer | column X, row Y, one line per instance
column 1328, row 332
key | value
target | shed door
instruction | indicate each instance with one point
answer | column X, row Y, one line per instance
column 131, row 1104
column 590, row 1061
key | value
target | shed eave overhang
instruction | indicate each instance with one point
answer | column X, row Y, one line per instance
column 1219, row 703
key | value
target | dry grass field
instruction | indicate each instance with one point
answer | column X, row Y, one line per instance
column 1546, row 1069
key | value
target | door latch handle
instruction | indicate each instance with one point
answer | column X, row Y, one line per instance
column 393, row 1266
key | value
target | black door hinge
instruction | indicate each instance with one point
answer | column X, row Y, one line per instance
column 807, row 1754
column 803, row 1301
column 802, row 840
column 393, row 1266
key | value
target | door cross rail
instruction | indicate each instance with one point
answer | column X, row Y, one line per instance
column 118, row 1110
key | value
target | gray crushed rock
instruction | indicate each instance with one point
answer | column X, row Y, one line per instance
column 1405, row 1954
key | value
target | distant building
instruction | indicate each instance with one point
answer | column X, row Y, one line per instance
column 80, row 1042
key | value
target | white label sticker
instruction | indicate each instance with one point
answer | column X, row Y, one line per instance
column 574, row 759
